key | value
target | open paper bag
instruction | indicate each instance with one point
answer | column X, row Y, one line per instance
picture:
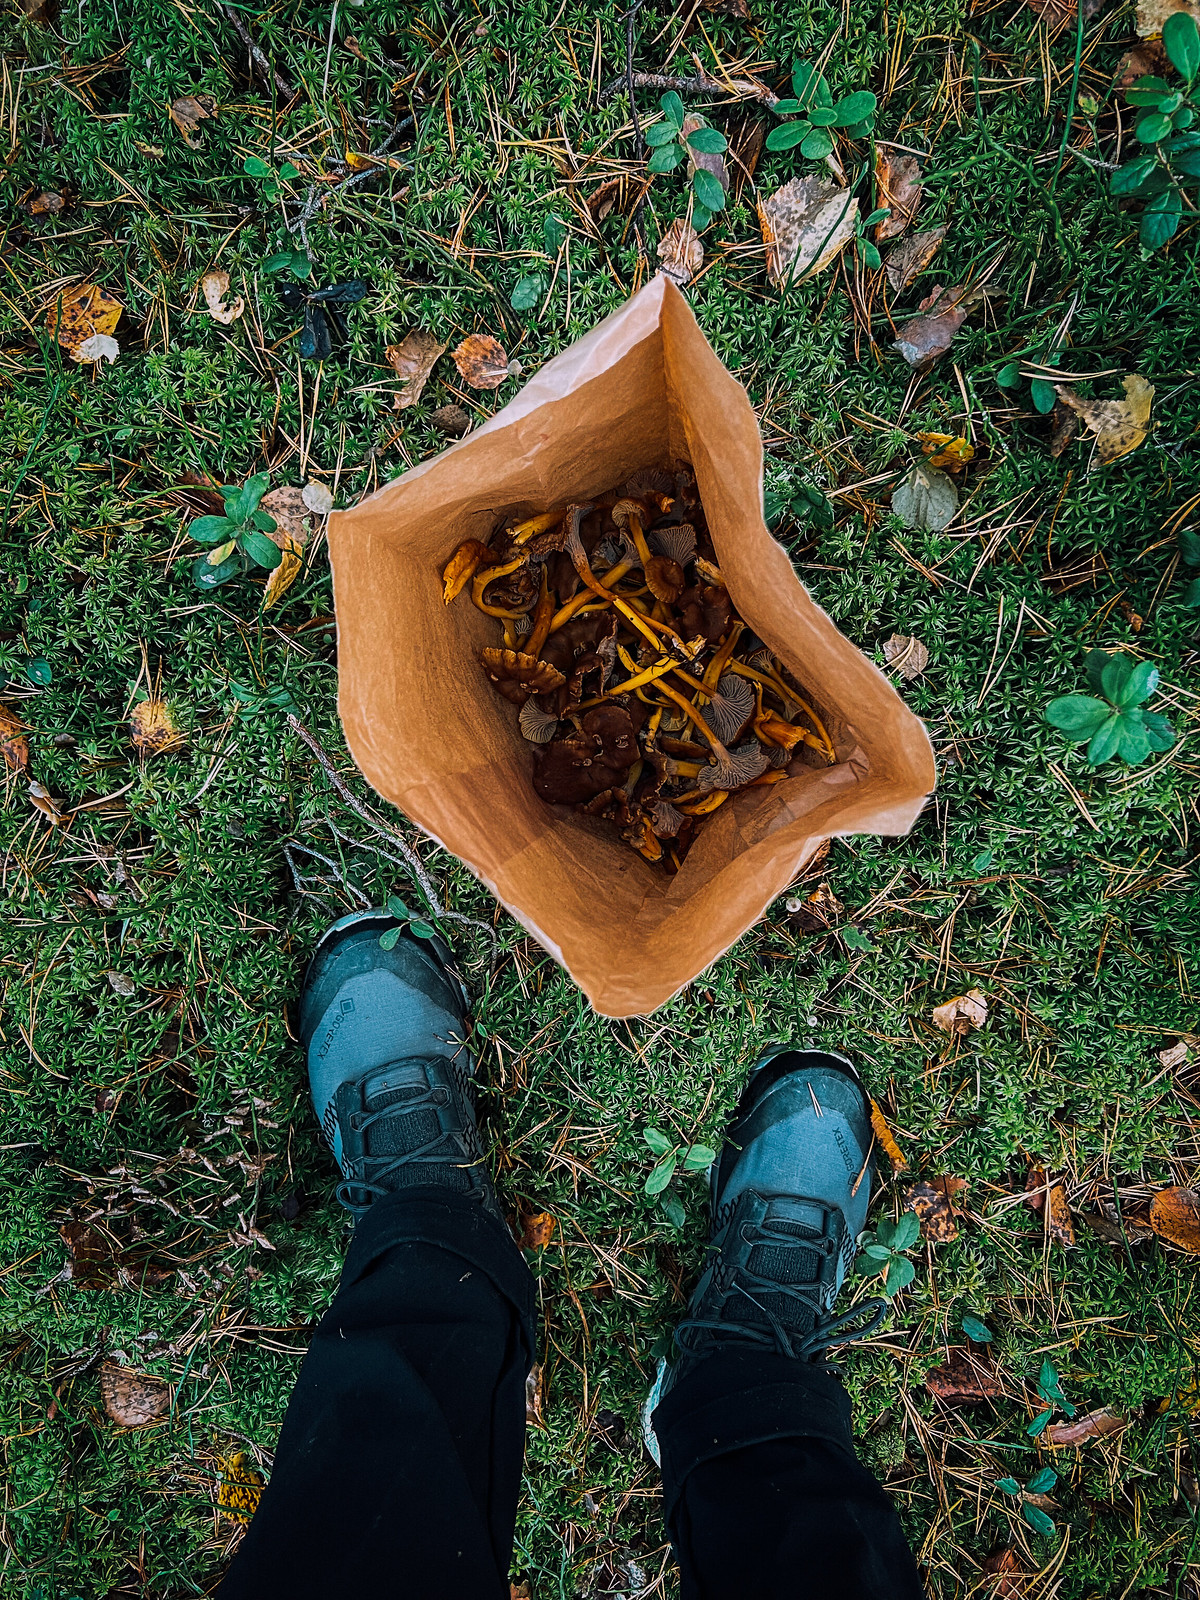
column 432, row 736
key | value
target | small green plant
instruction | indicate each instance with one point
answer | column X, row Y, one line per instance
column 818, row 114
column 15, row 666
column 253, row 702
column 668, row 145
column 417, row 926
column 293, row 261
column 803, row 503
column 239, row 537
column 1050, row 1393
column 1115, row 725
column 269, row 176
column 883, row 1252
column 978, row 1332
column 1041, row 1483
column 867, row 251
column 671, row 1156
column 1172, row 159
column 1189, row 554
column 531, row 286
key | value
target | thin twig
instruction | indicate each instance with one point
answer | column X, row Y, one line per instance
column 738, row 88
column 260, row 60
column 630, row 19
column 377, row 825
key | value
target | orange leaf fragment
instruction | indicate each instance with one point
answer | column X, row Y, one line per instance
column 1058, row 1221
column 153, row 726
column 1005, row 1574
column 241, row 1487
column 79, row 313
column 946, row 451
column 13, row 742
column 887, row 1140
column 898, row 180
column 538, row 1231
column 413, row 359
column 965, row 1379
column 933, row 1202
column 1175, row 1216
column 482, row 360
column 188, row 112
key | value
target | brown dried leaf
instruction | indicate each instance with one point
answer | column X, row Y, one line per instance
column 188, row 112
column 13, row 742
column 1095, row 1425
column 520, row 1591
column 681, row 253
column 929, row 336
column 747, row 137
column 482, row 361
column 241, row 1487
column 602, row 200
column 1151, row 14
column 961, row 1014
column 294, row 519
column 887, row 1139
column 413, row 360
column 805, row 225
column 153, row 727
column 965, row 1379
column 1175, row 1216
column 132, row 1399
column 815, row 913
column 42, row 12
column 281, row 578
column 1057, row 1218
column 451, row 420
column 48, row 203
column 1066, row 426
column 42, row 800
column 79, row 314
column 711, row 161
column 215, row 286
column 729, row 8
column 1056, row 14
column 933, row 1202
column 1005, row 1576
column 538, row 1230
column 898, row 182
column 462, row 567
column 1144, row 60
column 534, row 1399
column 1175, row 1055
column 91, row 1258
column 908, row 656
column 909, row 259
column 1119, row 425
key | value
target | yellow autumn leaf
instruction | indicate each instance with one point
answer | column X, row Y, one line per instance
column 241, row 1486
column 1119, row 425
column 284, row 575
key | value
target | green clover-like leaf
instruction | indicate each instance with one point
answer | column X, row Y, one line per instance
column 1079, row 716
column 1042, row 1482
column 389, row 938
column 708, row 189
column 809, row 86
column 673, row 1209
column 1042, row 394
column 978, row 1332
column 422, row 930
column 1181, row 41
column 256, row 167
column 1133, row 746
column 1038, row 1426
column 1191, row 595
column 709, row 141
column 262, row 551
column 869, row 254
column 698, row 1158
column 1009, row 375
column 1152, row 128
column 906, row 1231
column 661, row 133
column 527, row 291
column 1130, row 178
column 1008, row 1485
column 877, row 1252
column 1104, row 741
column 1189, row 547
column 788, row 134
column 1160, row 220
column 855, row 107
column 657, row 1140
column 1115, row 676
column 662, row 1174
column 900, row 1274
column 554, row 234
column 673, row 107
column 1146, row 91
column 1158, row 731
column 818, row 145
column 665, row 159
column 397, row 907
column 1140, row 684
column 1038, row 1520
column 211, row 530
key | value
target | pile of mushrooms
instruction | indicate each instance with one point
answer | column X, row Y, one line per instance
column 649, row 700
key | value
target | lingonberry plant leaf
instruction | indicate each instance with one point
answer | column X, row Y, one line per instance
column 1116, row 724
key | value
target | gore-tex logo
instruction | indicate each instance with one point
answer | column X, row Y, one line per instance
column 327, row 1041
column 851, row 1166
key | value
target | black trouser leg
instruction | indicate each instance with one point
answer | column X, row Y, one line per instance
column 399, row 1462
column 762, row 1493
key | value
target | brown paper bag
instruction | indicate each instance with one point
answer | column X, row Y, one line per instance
column 433, row 736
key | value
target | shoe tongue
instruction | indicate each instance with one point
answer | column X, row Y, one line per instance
column 393, row 1086
column 779, row 1260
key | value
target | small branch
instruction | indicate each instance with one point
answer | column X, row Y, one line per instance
column 738, row 88
column 260, row 60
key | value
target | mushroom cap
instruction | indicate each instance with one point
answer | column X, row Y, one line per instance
column 625, row 510
column 705, row 609
column 667, row 819
column 678, row 542
column 648, row 481
column 665, row 578
column 748, row 762
column 517, row 675
column 730, row 708
column 592, row 758
column 537, row 725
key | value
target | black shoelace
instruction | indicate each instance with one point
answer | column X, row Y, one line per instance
column 446, row 1149
column 697, row 1336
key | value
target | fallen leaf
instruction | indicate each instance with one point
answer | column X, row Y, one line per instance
column 90, row 1256
column 78, row 313
column 933, row 1202
column 1175, row 1055
column 602, row 200
column 946, row 450
column 710, row 160
column 898, row 185
column 1066, row 426
column 120, row 984
column 520, row 1591
column 927, row 337
column 48, row 203
column 13, row 742
column 281, row 578
column 1143, row 60
column 538, row 1230
column 887, row 1139
column 1175, row 1216
column 153, row 726
column 816, row 911
column 188, row 112
column 317, row 497
column 681, row 252
column 805, row 225
column 909, row 259
column 965, row 1379
column 747, row 137
column 1058, row 1221
column 482, row 361
column 40, row 11
column 1119, row 425
column 534, row 1399
column 132, row 1399
column 729, row 8
column 152, row 152
column 1092, row 1426
column 1151, row 14
column 413, row 360
column 962, row 1014
column 215, row 286
column 451, row 420
column 908, row 656
column 100, row 347
column 294, row 519
column 42, row 800
column 925, row 498
column 1005, row 1574
column 241, row 1487
column 1058, row 13
column 1105, row 1223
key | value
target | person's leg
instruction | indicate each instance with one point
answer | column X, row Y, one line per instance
column 399, row 1462
column 762, row 1491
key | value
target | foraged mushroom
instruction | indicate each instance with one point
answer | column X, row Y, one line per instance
column 518, row 675
column 593, row 758
column 538, row 726
column 742, row 765
column 462, row 567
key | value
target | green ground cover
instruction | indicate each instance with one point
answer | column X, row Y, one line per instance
column 166, row 1109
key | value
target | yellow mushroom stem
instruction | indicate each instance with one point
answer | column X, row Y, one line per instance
column 580, row 605
column 702, row 808
column 717, row 665
column 772, row 681
column 490, row 575
column 543, row 618
column 644, row 620
column 689, row 710
column 510, row 635
column 640, row 679
column 532, row 526
column 765, row 779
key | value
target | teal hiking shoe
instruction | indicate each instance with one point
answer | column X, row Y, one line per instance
column 389, row 1068
column 789, row 1193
